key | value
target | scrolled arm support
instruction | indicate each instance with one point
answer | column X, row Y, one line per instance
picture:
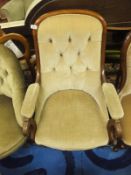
column 21, row 39
column 115, row 111
column 29, row 127
column 28, row 109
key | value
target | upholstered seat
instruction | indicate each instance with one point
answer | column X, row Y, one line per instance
column 12, row 90
column 125, row 89
column 16, row 12
column 71, row 110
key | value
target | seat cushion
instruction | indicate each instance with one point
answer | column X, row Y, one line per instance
column 126, row 120
column 72, row 120
column 11, row 137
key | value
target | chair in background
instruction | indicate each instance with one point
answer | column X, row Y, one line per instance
column 16, row 12
column 12, row 91
column 125, row 89
column 69, row 96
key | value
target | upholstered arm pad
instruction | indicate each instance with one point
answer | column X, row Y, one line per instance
column 14, row 10
column 112, row 101
column 29, row 103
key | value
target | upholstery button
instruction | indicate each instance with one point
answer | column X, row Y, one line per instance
column 87, row 68
column 61, row 54
column 54, row 69
column 1, row 81
column 50, row 40
column 71, row 68
column 69, row 39
column 5, row 73
column 89, row 39
column 78, row 53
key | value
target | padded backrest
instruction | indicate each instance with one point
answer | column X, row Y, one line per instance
column 70, row 48
column 27, row 4
column 70, row 45
column 11, row 80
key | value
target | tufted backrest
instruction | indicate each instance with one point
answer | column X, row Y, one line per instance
column 69, row 46
column 11, row 80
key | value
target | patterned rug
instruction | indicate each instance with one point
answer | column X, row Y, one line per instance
column 36, row 160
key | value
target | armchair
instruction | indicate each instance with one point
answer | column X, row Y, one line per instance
column 71, row 101
column 12, row 91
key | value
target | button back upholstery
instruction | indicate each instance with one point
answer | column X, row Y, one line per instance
column 70, row 112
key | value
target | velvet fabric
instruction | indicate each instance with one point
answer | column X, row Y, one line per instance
column 71, row 119
column 12, row 90
column 125, row 96
column 71, row 109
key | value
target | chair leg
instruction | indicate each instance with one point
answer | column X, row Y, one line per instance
column 29, row 128
column 114, row 131
column 119, row 145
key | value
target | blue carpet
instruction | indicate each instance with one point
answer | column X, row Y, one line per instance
column 36, row 160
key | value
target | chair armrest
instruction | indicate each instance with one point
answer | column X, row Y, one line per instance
column 14, row 10
column 112, row 101
column 29, row 103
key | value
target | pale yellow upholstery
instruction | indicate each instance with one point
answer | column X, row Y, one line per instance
column 75, row 64
column 112, row 101
column 71, row 112
column 125, row 96
column 71, row 119
column 12, row 90
column 30, row 100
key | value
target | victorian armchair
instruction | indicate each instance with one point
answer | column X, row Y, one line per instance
column 12, row 90
column 70, row 99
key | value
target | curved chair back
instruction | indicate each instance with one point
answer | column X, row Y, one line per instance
column 70, row 48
